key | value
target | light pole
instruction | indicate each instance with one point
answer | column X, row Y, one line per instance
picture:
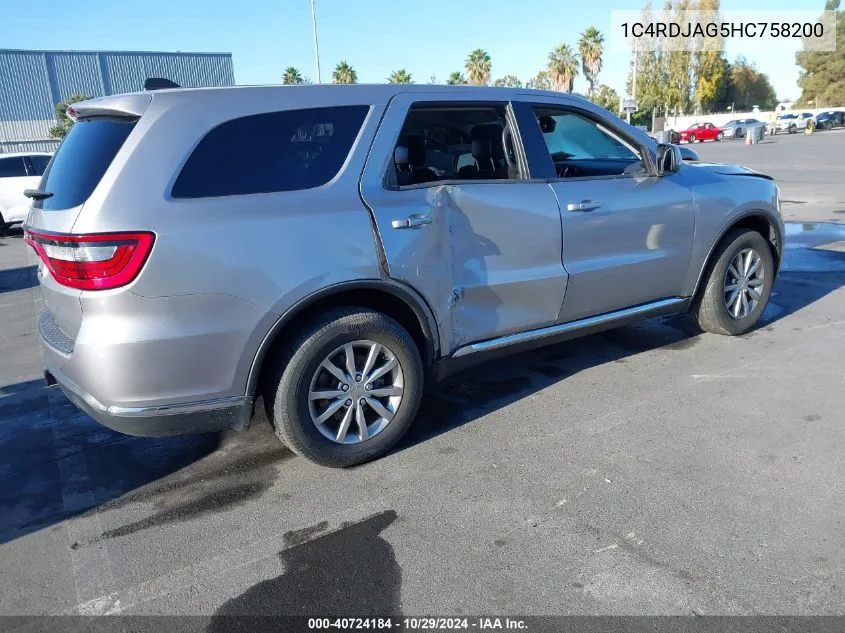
column 316, row 46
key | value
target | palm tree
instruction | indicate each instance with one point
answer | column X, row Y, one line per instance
column 400, row 76
column 478, row 67
column 344, row 74
column 292, row 76
column 508, row 81
column 456, row 79
column 590, row 46
column 563, row 68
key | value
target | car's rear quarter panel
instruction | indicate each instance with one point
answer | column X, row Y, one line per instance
column 222, row 270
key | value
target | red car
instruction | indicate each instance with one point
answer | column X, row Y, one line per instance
column 701, row 132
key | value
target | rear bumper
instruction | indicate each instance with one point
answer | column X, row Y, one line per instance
column 206, row 416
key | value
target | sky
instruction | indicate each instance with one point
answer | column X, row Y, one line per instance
column 432, row 37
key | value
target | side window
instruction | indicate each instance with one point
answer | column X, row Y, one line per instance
column 581, row 147
column 12, row 167
column 461, row 142
column 276, row 151
column 38, row 164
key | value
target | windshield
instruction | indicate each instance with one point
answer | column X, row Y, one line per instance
column 787, row 116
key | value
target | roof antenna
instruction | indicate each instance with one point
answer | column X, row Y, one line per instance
column 159, row 83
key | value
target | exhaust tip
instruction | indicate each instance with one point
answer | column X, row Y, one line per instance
column 50, row 379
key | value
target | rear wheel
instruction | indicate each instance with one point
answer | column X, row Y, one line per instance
column 346, row 388
column 736, row 285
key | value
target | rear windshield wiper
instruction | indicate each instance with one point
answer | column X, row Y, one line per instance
column 37, row 194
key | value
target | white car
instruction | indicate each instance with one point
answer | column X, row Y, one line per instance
column 790, row 122
column 19, row 172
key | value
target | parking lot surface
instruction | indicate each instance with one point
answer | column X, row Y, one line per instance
column 647, row 470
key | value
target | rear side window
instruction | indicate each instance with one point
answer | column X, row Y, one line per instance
column 12, row 167
column 276, row 151
column 82, row 159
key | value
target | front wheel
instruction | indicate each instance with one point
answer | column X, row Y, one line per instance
column 692, row 138
column 793, row 129
column 736, row 284
column 720, row 136
column 346, row 388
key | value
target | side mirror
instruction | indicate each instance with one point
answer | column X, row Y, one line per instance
column 668, row 159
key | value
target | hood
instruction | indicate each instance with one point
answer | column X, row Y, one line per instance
column 728, row 170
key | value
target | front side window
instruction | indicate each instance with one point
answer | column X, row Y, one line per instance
column 12, row 167
column 276, row 151
column 454, row 142
column 581, row 147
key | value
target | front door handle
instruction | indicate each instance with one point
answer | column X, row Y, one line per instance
column 411, row 222
column 586, row 205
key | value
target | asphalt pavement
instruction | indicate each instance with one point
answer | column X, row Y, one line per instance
column 647, row 470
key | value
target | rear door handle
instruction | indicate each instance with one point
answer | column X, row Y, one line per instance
column 411, row 222
column 586, row 205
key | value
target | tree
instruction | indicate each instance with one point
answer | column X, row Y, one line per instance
column 678, row 60
column 563, row 68
column 650, row 89
column 607, row 98
column 822, row 77
column 710, row 66
column 748, row 87
column 400, row 76
column 63, row 121
column 591, row 47
column 456, row 79
column 344, row 74
column 478, row 67
column 292, row 76
column 508, row 81
column 540, row 82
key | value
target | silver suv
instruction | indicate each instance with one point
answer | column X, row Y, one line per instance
column 329, row 248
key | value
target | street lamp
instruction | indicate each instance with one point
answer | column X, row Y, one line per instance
column 316, row 46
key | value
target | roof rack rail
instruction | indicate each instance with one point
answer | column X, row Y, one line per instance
column 159, row 83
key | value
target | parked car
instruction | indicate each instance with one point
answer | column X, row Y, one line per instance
column 737, row 128
column 830, row 119
column 335, row 271
column 702, row 132
column 790, row 122
column 18, row 172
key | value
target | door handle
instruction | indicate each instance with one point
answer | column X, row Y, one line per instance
column 411, row 222
column 586, row 205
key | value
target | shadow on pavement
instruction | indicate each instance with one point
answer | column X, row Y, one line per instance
column 56, row 462
column 12, row 279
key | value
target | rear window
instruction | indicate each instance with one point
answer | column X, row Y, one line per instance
column 12, row 167
column 276, row 151
column 82, row 159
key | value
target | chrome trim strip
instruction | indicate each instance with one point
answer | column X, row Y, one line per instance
column 177, row 409
column 552, row 330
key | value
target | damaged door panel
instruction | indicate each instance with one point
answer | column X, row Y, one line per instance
column 486, row 256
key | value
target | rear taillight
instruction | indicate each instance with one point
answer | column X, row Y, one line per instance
column 98, row 261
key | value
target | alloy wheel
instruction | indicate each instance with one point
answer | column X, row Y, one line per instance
column 356, row 391
column 743, row 284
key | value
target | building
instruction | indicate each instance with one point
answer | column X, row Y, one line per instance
column 33, row 82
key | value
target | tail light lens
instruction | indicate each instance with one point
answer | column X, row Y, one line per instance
column 98, row 261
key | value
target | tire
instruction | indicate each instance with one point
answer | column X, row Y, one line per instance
column 709, row 307
column 720, row 136
column 738, row 133
column 692, row 138
column 793, row 129
column 286, row 390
